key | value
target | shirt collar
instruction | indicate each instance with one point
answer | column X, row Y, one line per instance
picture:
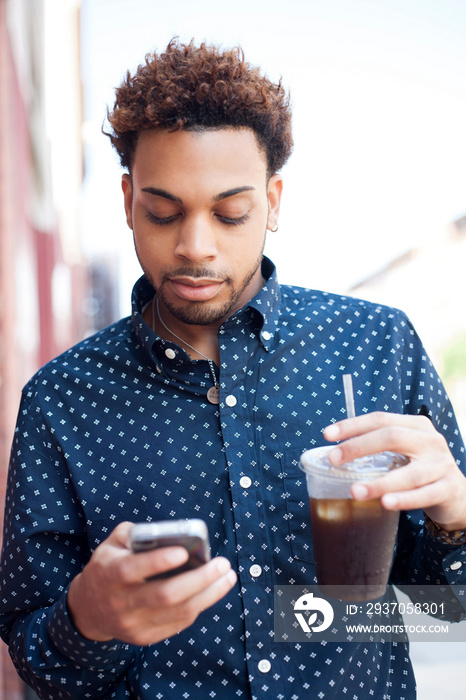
column 265, row 305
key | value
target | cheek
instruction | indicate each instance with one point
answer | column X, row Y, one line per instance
column 147, row 238
column 151, row 250
column 247, row 255
column 241, row 255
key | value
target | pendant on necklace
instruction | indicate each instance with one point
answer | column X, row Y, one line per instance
column 213, row 395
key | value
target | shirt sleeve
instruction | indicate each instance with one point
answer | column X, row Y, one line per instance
column 44, row 548
column 421, row 559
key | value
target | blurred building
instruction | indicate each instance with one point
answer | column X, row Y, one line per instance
column 429, row 284
column 43, row 278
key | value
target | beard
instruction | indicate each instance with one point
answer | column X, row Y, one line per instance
column 203, row 313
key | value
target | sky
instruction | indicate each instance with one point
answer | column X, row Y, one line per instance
column 378, row 90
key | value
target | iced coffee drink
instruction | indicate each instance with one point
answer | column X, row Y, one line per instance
column 353, row 540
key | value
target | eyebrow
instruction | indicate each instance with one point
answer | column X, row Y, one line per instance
column 218, row 197
column 231, row 193
column 162, row 193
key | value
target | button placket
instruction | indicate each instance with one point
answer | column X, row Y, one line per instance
column 240, row 449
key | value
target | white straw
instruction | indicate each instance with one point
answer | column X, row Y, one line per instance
column 349, row 396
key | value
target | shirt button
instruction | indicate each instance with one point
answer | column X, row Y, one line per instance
column 230, row 400
column 171, row 354
column 255, row 570
column 456, row 565
column 266, row 335
column 264, row 665
column 245, row 482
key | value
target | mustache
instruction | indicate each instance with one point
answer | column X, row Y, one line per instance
column 195, row 272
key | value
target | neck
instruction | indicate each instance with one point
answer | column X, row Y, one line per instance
column 199, row 342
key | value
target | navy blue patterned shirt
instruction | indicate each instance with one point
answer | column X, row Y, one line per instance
column 119, row 428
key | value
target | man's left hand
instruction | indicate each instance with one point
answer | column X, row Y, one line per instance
column 431, row 481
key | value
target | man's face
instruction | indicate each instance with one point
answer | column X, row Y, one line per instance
column 199, row 205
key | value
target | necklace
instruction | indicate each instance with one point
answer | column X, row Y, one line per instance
column 213, row 393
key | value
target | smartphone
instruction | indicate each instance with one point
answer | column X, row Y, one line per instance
column 191, row 534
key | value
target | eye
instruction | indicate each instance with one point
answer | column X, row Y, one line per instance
column 233, row 221
column 160, row 220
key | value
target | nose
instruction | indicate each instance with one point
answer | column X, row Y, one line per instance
column 196, row 239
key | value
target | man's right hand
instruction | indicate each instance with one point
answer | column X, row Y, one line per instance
column 111, row 598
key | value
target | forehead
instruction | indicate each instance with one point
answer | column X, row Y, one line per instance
column 232, row 156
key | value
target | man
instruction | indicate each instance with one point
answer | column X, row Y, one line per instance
column 199, row 405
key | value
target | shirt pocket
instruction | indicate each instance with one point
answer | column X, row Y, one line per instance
column 297, row 506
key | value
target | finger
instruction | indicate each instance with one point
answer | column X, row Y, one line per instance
column 177, row 589
column 129, row 568
column 160, row 622
column 402, row 440
column 137, row 568
column 420, row 498
column 215, row 591
column 351, row 427
column 119, row 536
column 404, row 479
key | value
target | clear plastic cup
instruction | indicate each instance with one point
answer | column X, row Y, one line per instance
column 353, row 540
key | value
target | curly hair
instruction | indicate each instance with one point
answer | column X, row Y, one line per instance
column 196, row 88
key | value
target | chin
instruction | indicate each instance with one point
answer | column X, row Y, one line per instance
column 200, row 313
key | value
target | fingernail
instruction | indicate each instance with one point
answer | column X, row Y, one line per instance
column 335, row 456
column 389, row 500
column 223, row 565
column 359, row 491
column 175, row 556
column 231, row 577
column 332, row 432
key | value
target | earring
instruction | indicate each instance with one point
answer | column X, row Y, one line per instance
column 274, row 229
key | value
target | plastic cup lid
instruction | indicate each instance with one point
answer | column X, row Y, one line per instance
column 316, row 461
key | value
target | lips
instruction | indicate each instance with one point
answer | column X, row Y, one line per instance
column 195, row 289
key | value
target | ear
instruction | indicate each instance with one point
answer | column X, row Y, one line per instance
column 127, row 188
column 274, row 195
